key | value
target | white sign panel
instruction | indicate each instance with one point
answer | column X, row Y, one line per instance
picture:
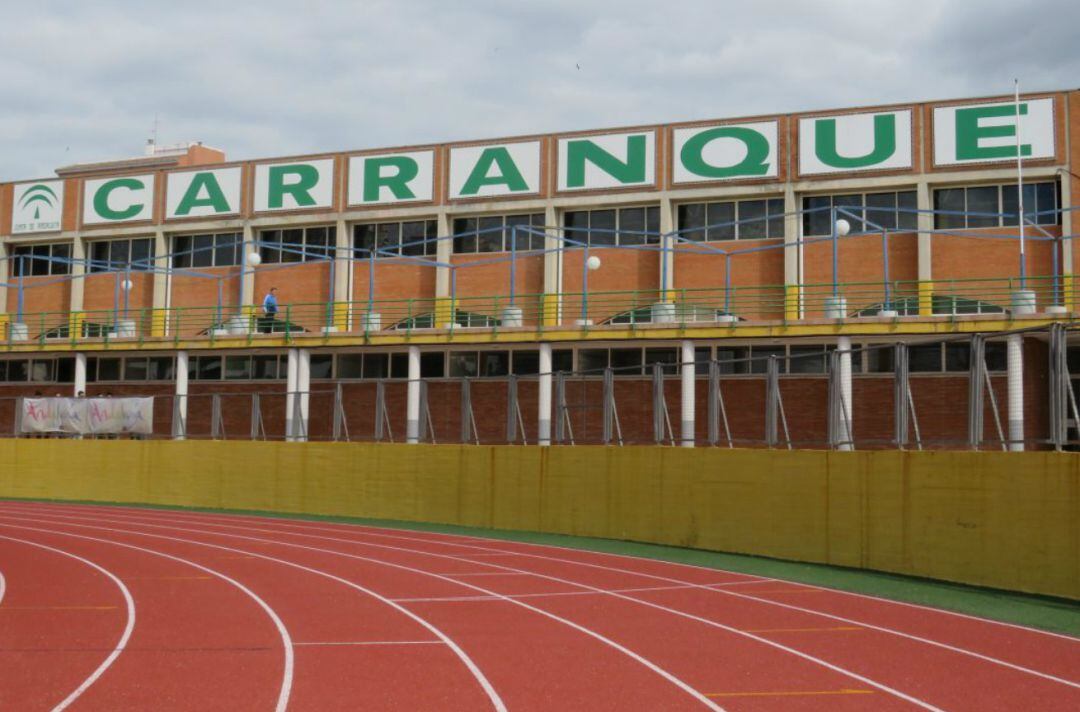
column 37, row 207
column 725, row 152
column 123, row 199
column 607, row 161
column 498, row 169
column 193, row 194
column 981, row 133
column 292, row 186
column 854, row 142
column 391, row 178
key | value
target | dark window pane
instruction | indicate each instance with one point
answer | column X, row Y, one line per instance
column 526, row 363
column 432, row 364
column 880, row 360
column 209, row 368
column 592, row 361
column 292, row 242
column 413, row 232
column 65, row 370
column 226, row 249
column 388, row 236
column 237, row 367
column 852, row 204
column 463, row 364
column 264, row 367
column 576, row 222
column 536, row 237
column 957, row 357
column 119, row 251
column 39, row 264
column 350, row 365
column 494, row 363
column 949, row 200
column 995, row 358
column 816, row 215
column 776, row 217
column 181, row 251
column 602, row 227
column 322, row 366
column 161, row 368
column 376, row 365
column 269, row 251
column 1046, row 201
column 669, row 358
column 517, row 239
column 490, row 238
column 811, row 360
column 652, row 224
column 18, row 371
column 692, row 221
column 202, row 251
column 730, row 360
column 464, row 235
column 317, row 243
column 135, row 369
column 881, row 209
column 925, row 358
column 108, row 369
column 907, row 203
column 562, row 360
column 431, row 232
column 760, row 354
column 399, row 365
column 751, row 219
column 626, row 362
column 363, row 239
column 632, row 226
column 983, row 199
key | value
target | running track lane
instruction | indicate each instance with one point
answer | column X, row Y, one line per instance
column 195, row 632
column 994, row 680
column 405, row 670
column 686, row 643
column 57, row 606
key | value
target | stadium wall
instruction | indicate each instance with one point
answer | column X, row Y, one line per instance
column 1004, row 520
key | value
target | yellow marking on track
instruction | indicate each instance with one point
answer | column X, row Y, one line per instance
column 790, row 693
column 57, row 608
column 804, row 630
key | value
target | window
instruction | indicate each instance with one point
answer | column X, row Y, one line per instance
column 757, row 219
column 493, row 233
column 995, row 206
column 296, row 244
column 412, row 237
column 119, row 255
column 623, row 226
column 40, row 260
column 890, row 210
column 220, row 250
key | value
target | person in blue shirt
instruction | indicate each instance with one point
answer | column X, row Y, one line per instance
column 270, row 309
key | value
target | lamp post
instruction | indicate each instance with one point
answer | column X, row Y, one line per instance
column 836, row 306
column 589, row 264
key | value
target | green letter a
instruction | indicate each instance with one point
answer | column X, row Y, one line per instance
column 508, row 174
column 215, row 198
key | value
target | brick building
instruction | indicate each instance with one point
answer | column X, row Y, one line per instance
column 787, row 235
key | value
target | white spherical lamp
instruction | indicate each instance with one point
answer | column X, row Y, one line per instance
column 593, row 263
column 126, row 285
column 843, row 227
column 254, row 259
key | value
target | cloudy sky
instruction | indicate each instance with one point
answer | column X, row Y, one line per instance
column 83, row 81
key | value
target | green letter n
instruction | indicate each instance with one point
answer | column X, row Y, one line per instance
column 628, row 172
column 969, row 133
column 214, row 199
column 508, row 173
column 397, row 182
column 884, row 143
column 305, row 178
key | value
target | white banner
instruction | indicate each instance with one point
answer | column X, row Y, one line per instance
column 87, row 416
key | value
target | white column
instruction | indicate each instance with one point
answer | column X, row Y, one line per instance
column 342, row 263
column 78, row 269
column 1015, row 359
column 667, row 255
column 247, row 276
column 4, row 272
column 543, row 397
column 161, row 265
column 80, row 374
column 303, row 387
column 843, row 345
column 291, row 373
column 444, row 252
column 180, row 410
column 412, row 403
column 688, row 368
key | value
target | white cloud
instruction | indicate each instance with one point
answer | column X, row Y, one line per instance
column 83, row 81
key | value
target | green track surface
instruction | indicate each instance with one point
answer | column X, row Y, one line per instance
column 1052, row 614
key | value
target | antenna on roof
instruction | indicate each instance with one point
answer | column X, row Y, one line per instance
column 151, row 143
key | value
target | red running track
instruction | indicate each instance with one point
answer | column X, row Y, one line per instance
column 125, row 608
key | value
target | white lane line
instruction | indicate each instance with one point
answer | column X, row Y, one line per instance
column 349, row 643
column 712, row 587
column 487, row 573
column 125, row 635
column 496, row 701
column 3, row 586
column 771, row 643
column 286, row 640
column 591, row 633
column 437, row 599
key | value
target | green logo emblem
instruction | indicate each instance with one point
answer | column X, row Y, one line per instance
column 36, row 196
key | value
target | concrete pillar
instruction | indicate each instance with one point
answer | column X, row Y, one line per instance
column 843, row 345
column 543, row 397
column 291, row 373
column 80, row 374
column 78, row 269
column 443, row 253
column 343, row 263
column 793, row 255
column 247, row 277
column 161, row 264
column 5, row 271
column 1015, row 377
column 303, row 388
column 687, row 400
column 412, row 403
column 667, row 255
column 180, row 408
column 1066, row 293
column 925, row 223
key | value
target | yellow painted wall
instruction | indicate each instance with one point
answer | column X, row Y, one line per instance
column 1007, row 520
